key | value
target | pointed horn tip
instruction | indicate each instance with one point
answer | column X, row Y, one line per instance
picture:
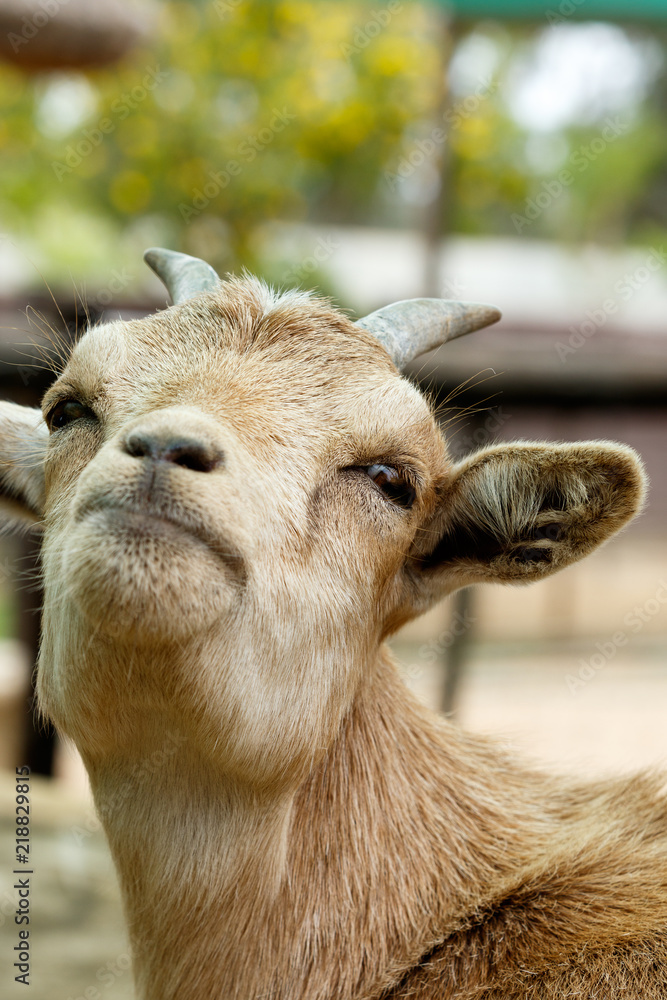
column 183, row 276
column 482, row 315
column 154, row 255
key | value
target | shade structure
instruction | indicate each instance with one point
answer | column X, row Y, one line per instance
column 553, row 11
column 64, row 34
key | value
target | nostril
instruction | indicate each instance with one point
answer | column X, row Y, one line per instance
column 192, row 455
column 186, row 452
column 140, row 445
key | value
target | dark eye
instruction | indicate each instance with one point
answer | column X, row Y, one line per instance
column 394, row 484
column 66, row 412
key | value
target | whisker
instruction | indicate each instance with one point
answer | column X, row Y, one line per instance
column 60, row 345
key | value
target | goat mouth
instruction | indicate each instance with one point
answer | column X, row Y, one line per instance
column 152, row 522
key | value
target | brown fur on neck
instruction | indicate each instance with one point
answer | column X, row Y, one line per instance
column 415, row 859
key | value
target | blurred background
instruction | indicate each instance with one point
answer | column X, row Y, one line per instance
column 513, row 152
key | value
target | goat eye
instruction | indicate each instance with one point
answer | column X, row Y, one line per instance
column 393, row 484
column 66, row 412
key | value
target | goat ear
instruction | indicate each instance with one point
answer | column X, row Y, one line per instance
column 516, row 513
column 23, row 439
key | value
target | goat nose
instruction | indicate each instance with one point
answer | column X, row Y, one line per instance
column 178, row 449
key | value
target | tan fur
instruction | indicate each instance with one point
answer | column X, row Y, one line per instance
column 286, row 821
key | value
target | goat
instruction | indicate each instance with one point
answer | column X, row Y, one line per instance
column 241, row 498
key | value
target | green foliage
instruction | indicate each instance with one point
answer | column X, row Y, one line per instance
column 240, row 112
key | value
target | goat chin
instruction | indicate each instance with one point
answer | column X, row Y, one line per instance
column 141, row 577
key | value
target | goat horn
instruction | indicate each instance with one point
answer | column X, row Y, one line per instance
column 409, row 328
column 183, row 276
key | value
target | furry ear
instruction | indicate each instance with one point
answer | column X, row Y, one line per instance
column 23, row 440
column 516, row 513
